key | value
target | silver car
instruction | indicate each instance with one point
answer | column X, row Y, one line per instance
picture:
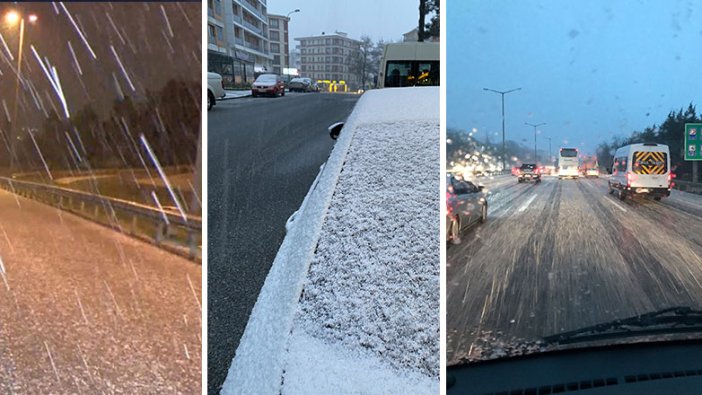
column 466, row 204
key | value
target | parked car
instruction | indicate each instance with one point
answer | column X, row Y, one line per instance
column 466, row 204
column 215, row 90
column 300, row 85
column 268, row 84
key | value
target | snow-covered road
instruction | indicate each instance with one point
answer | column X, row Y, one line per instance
column 85, row 309
column 561, row 255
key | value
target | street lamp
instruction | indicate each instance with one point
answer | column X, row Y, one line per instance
column 550, row 160
column 535, row 126
column 12, row 18
column 292, row 12
column 503, row 93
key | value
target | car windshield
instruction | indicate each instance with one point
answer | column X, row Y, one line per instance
column 611, row 230
column 266, row 78
column 528, row 167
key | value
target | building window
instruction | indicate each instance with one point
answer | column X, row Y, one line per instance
column 211, row 30
column 276, row 59
column 273, row 23
column 275, row 48
column 275, row 36
column 220, row 33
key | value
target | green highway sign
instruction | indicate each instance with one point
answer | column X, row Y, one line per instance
column 693, row 141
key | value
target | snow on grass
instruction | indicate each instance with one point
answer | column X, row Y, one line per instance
column 373, row 285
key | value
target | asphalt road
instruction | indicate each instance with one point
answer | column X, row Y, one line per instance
column 85, row 309
column 263, row 155
column 562, row 255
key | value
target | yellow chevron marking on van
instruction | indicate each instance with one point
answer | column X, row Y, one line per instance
column 650, row 156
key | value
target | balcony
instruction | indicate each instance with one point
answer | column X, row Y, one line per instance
column 252, row 27
column 252, row 9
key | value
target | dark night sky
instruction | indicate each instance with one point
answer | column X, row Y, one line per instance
column 154, row 41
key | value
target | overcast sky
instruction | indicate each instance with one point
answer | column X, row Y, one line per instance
column 590, row 70
column 386, row 19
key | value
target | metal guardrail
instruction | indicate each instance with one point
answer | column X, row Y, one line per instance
column 166, row 229
column 687, row 186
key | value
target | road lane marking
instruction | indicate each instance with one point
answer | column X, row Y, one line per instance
column 615, row 204
column 527, row 203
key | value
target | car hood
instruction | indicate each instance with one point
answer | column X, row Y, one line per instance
column 264, row 83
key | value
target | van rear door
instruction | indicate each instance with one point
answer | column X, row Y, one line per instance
column 650, row 169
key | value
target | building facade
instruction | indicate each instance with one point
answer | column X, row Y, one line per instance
column 330, row 58
column 279, row 45
column 238, row 45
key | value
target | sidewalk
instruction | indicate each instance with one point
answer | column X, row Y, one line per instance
column 236, row 94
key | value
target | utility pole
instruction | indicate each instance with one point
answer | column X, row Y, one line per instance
column 536, row 159
column 503, row 93
column 550, row 160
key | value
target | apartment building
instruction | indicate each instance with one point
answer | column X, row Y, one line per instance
column 329, row 57
column 238, row 45
column 278, row 36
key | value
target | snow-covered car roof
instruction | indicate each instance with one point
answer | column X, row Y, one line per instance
column 357, row 276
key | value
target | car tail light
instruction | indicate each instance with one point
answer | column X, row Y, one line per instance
column 630, row 177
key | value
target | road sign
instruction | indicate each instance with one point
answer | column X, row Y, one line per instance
column 693, row 141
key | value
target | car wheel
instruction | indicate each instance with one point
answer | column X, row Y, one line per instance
column 657, row 198
column 282, row 93
column 483, row 214
column 454, row 236
column 210, row 100
column 622, row 195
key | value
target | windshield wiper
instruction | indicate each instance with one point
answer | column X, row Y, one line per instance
column 666, row 321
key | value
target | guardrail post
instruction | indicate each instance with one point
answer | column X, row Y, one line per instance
column 97, row 207
column 192, row 244
column 82, row 207
column 133, row 227
column 160, row 229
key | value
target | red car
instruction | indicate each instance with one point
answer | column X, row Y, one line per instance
column 268, row 84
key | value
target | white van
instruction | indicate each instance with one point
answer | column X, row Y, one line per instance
column 641, row 169
column 410, row 64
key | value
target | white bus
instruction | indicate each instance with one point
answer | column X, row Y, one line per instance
column 409, row 64
column 568, row 163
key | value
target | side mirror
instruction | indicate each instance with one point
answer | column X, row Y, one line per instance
column 335, row 130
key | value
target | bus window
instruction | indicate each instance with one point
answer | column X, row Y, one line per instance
column 428, row 73
column 398, row 74
column 411, row 73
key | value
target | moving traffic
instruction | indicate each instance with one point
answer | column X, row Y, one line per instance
column 563, row 255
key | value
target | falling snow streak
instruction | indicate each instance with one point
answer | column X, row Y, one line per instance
column 80, row 33
column 154, row 159
column 52, row 76
column 121, row 67
column 40, row 155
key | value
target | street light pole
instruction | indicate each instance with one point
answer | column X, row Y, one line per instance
column 503, row 93
column 292, row 12
column 549, row 151
column 535, row 126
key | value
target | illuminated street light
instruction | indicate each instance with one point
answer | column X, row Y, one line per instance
column 32, row 18
column 12, row 17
